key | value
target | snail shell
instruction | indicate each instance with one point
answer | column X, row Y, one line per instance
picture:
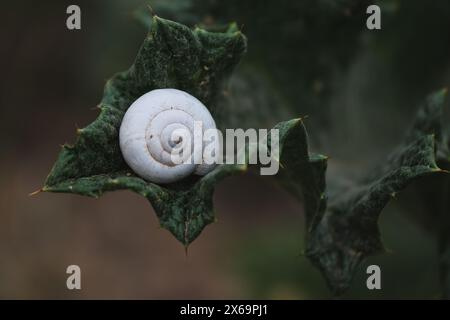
column 158, row 124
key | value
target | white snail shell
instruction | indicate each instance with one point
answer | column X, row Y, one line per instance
column 149, row 131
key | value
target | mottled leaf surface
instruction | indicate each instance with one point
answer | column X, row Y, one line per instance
column 429, row 201
column 171, row 56
column 347, row 231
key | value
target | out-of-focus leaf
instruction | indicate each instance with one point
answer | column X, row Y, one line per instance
column 291, row 49
column 429, row 201
column 348, row 230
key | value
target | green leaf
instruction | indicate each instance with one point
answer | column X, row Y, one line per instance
column 301, row 173
column 347, row 232
column 428, row 202
column 171, row 56
column 429, row 121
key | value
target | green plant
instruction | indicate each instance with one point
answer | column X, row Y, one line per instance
column 342, row 223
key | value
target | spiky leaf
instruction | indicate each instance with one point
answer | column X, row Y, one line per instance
column 347, row 231
column 171, row 56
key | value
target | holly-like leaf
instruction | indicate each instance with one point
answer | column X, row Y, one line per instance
column 171, row 56
column 428, row 203
column 347, row 232
column 301, row 173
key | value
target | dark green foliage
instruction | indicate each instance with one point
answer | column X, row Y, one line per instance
column 339, row 236
column 432, row 196
column 348, row 230
column 196, row 62
column 172, row 56
column 302, row 174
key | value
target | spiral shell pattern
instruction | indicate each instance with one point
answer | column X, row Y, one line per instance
column 158, row 124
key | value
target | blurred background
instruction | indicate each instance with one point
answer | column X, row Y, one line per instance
column 359, row 88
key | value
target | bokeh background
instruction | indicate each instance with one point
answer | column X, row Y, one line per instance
column 359, row 88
